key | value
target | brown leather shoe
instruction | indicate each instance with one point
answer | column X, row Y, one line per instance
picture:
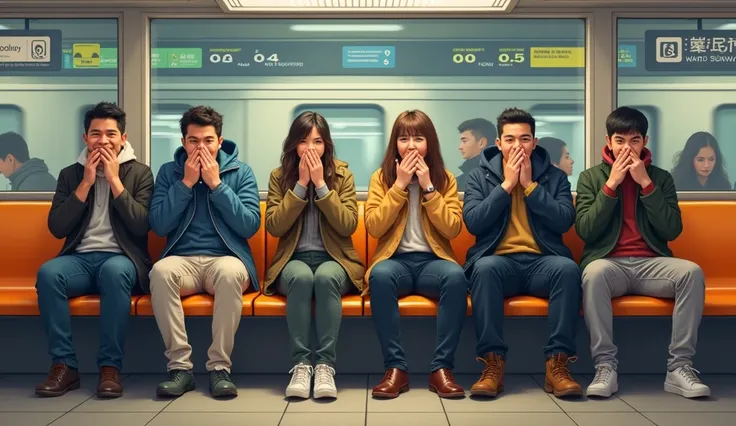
column 443, row 384
column 109, row 385
column 491, row 379
column 394, row 382
column 557, row 380
column 61, row 379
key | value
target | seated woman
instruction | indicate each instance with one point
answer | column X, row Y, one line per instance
column 699, row 166
column 414, row 211
column 558, row 153
column 313, row 211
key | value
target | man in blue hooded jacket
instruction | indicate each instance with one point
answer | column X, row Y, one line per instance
column 206, row 204
column 518, row 206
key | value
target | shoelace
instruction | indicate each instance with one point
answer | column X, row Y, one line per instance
column 57, row 372
column 491, row 371
column 220, row 375
column 689, row 374
column 109, row 375
column 323, row 374
column 301, row 374
column 560, row 370
column 176, row 376
column 602, row 375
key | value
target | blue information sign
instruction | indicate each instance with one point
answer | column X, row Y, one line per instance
column 368, row 56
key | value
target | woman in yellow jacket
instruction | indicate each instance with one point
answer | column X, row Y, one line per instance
column 414, row 211
column 313, row 211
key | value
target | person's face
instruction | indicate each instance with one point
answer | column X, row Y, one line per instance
column 201, row 137
column 407, row 143
column 471, row 147
column 566, row 162
column 313, row 141
column 705, row 161
column 516, row 135
column 8, row 166
column 104, row 133
column 635, row 141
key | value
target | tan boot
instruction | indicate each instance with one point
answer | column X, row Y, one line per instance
column 491, row 379
column 558, row 381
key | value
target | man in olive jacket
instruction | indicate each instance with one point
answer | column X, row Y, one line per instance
column 627, row 212
column 101, row 208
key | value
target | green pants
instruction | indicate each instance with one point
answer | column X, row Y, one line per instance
column 313, row 274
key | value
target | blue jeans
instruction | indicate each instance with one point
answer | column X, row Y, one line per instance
column 110, row 275
column 429, row 276
column 494, row 278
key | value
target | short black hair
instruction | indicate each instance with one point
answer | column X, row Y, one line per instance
column 553, row 146
column 515, row 116
column 105, row 110
column 626, row 120
column 201, row 116
column 13, row 143
column 479, row 127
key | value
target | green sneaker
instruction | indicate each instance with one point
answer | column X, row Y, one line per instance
column 221, row 384
column 178, row 383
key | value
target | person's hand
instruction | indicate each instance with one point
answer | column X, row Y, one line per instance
column 316, row 170
column 512, row 169
column 110, row 164
column 638, row 171
column 192, row 169
column 303, row 171
column 406, row 169
column 525, row 173
column 90, row 167
column 423, row 174
column 619, row 168
column 210, row 169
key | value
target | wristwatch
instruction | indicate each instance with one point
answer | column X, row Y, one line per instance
column 429, row 190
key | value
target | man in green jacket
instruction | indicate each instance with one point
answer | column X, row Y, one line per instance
column 627, row 212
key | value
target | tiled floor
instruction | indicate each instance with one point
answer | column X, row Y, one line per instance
column 640, row 402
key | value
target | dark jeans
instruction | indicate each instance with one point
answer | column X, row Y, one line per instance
column 495, row 278
column 110, row 275
column 429, row 276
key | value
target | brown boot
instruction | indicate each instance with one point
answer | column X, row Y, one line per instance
column 443, row 384
column 394, row 382
column 61, row 379
column 109, row 385
column 558, row 381
column 491, row 379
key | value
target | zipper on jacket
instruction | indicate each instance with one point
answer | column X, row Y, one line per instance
column 178, row 237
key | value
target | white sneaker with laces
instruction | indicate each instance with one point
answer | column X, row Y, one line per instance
column 324, row 382
column 685, row 382
column 301, row 381
column 605, row 382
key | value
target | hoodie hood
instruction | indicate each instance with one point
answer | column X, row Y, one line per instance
column 491, row 160
column 30, row 167
column 226, row 156
column 608, row 158
column 127, row 154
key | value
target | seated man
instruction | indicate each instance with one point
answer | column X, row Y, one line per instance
column 627, row 211
column 518, row 206
column 206, row 204
column 23, row 172
column 101, row 209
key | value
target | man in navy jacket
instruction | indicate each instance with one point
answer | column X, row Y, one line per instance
column 206, row 204
column 518, row 206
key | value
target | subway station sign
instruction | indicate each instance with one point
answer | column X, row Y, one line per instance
column 35, row 50
column 691, row 51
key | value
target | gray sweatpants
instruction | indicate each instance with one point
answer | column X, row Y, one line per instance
column 663, row 277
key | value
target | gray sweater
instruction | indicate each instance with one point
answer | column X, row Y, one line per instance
column 414, row 239
column 310, row 239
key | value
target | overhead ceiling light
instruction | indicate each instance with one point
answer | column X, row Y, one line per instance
column 346, row 28
column 375, row 6
column 729, row 26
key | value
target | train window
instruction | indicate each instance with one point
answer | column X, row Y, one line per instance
column 11, row 120
column 259, row 73
column 679, row 72
column 558, row 124
column 165, row 133
column 358, row 135
column 72, row 65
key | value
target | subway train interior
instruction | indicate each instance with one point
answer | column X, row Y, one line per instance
column 360, row 64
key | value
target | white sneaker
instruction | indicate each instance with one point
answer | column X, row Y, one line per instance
column 324, row 382
column 685, row 382
column 605, row 382
column 301, row 381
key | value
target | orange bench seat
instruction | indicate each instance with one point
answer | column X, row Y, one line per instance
column 196, row 305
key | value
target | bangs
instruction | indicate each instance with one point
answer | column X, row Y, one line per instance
column 411, row 125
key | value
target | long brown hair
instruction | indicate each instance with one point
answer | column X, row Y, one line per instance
column 415, row 123
column 300, row 129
